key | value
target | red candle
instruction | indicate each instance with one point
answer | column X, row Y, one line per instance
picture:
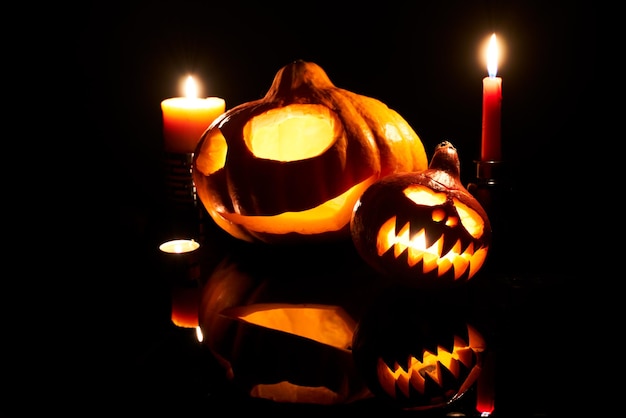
column 186, row 118
column 492, row 101
column 485, row 386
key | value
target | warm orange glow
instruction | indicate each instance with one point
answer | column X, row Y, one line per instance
column 213, row 154
column 302, row 128
column 416, row 372
column 291, row 133
column 185, row 302
column 329, row 216
column 471, row 220
column 329, row 325
column 186, row 118
column 422, row 195
column 413, row 376
column 430, row 255
column 433, row 252
column 292, row 393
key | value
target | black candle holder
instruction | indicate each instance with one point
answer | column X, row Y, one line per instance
column 186, row 217
column 494, row 191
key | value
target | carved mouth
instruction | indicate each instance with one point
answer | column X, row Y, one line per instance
column 329, row 216
column 440, row 372
column 432, row 253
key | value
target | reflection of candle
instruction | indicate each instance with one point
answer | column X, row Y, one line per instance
column 185, row 303
column 492, row 100
column 182, row 266
column 485, row 386
column 186, row 118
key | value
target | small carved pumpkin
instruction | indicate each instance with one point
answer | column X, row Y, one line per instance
column 281, row 324
column 418, row 350
column 423, row 228
column 291, row 165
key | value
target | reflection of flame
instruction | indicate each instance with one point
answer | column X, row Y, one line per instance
column 458, row 257
column 199, row 334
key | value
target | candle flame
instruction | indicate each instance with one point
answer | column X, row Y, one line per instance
column 191, row 88
column 492, row 56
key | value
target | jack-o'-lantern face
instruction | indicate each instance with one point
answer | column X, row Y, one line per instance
column 417, row 353
column 423, row 228
column 283, row 332
column 290, row 166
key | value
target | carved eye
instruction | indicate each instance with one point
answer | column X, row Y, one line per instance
column 291, row 133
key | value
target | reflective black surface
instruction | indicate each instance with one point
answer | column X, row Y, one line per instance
column 158, row 366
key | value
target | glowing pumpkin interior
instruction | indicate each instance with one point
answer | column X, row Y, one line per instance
column 290, row 133
column 435, row 251
column 329, row 325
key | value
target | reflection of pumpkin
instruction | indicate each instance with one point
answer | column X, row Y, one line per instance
column 417, row 350
column 423, row 228
column 291, row 165
column 281, row 324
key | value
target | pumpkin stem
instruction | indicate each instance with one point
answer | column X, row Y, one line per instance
column 292, row 78
column 446, row 159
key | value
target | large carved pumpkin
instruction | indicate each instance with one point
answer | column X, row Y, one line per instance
column 418, row 350
column 291, row 165
column 281, row 323
column 423, row 229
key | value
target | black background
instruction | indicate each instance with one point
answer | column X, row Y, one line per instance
column 423, row 59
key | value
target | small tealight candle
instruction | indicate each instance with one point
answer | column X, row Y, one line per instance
column 186, row 118
column 179, row 246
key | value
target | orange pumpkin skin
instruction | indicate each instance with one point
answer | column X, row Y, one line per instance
column 307, row 359
column 423, row 229
column 342, row 142
column 418, row 351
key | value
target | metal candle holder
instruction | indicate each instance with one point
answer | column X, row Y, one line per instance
column 185, row 214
